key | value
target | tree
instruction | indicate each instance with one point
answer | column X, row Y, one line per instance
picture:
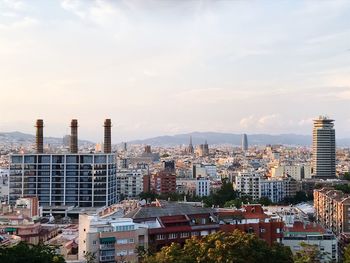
column 346, row 176
column 89, row 257
column 347, row 254
column 265, row 201
column 309, row 254
column 224, row 194
column 28, row 253
column 220, row 247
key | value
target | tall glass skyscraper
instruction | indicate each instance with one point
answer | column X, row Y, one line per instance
column 323, row 148
column 244, row 142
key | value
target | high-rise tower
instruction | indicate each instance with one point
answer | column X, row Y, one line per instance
column 323, row 148
column 244, row 142
column 190, row 149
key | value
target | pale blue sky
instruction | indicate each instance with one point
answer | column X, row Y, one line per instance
column 166, row 67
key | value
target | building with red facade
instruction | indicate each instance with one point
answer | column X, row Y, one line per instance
column 163, row 182
column 252, row 219
column 174, row 222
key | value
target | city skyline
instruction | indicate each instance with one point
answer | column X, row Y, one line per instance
column 174, row 68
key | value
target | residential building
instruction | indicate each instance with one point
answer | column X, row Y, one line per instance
column 297, row 172
column 332, row 210
column 111, row 239
column 129, row 183
column 256, row 186
column 170, row 222
column 323, row 148
column 164, row 181
column 202, row 187
column 252, row 219
column 311, row 234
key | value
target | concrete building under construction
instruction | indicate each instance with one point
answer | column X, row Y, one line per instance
column 69, row 179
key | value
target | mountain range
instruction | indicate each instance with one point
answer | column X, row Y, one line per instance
column 24, row 138
column 233, row 139
column 183, row 139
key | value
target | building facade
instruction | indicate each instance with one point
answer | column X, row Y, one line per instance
column 84, row 180
column 312, row 235
column 129, row 183
column 256, row 186
column 202, row 187
column 332, row 210
column 244, row 142
column 252, row 219
column 323, row 148
column 112, row 240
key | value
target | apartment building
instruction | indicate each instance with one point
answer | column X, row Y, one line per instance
column 297, row 172
column 256, row 186
column 111, row 239
column 332, row 209
column 129, row 183
column 170, row 222
column 311, row 234
column 202, row 187
column 252, row 219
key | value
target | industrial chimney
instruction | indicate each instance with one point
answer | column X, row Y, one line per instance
column 74, row 136
column 39, row 136
column 107, row 135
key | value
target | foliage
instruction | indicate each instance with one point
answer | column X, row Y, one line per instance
column 24, row 252
column 345, row 188
column 244, row 199
column 90, row 257
column 346, row 176
column 308, row 254
column 347, row 254
column 222, row 247
column 150, row 196
column 223, row 195
column 299, row 197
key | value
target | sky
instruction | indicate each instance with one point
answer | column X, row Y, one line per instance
column 169, row 67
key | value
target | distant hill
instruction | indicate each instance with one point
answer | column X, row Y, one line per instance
column 233, row 139
column 24, row 138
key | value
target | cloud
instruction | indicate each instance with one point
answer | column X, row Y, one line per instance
column 99, row 12
column 259, row 122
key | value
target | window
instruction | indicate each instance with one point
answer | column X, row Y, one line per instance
column 131, row 252
column 262, row 230
column 131, row 241
column 184, row 234
column 278, row 230
column 172, row 235
column 94, row 242
column 122, row 252
column 160, row 237
column 122, row 241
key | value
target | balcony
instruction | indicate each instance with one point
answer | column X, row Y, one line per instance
column 107, row 258
column 107, row 246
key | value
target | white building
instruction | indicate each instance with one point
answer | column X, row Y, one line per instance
column 256, row 186
column 311, row 235
column 204, row 170
column 297, row 172
column 248, row 183
column 129, row 183
column 202, row 187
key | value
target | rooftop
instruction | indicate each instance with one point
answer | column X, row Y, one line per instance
column 163, row 208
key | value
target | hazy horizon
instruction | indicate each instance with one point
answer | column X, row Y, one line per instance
column 168, row 67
